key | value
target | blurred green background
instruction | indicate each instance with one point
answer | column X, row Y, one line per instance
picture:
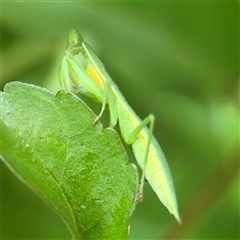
column 176, row 60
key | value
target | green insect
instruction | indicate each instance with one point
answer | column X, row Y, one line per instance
column 94, row 82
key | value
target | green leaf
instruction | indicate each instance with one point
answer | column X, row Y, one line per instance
column 79, row 170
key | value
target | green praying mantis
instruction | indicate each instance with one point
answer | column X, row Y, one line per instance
column 93, row 81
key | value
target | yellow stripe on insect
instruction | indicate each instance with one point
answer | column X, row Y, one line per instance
column 95, row 75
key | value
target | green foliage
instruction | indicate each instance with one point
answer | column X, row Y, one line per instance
column 177, row 60
column 79, row 170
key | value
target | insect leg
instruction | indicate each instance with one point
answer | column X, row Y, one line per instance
column 148, row 120
column 105, row 98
